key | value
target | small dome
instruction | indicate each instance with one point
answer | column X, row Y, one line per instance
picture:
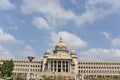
column 61, row 45
column 47, row 53
column 72, row 52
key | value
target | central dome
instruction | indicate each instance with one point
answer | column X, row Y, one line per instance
column 60, row 45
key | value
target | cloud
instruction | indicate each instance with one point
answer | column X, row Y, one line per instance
column 74, row 1
column 56, row 15
column 27, row 51
column 101, row 54
column 72, row 40
column 96, row 10
column 116, row 42
column 8, row 38
column 6, row 4
column 49, row 8
column 40, row 23
column 4, row 53
column 13, row 47
column 106, row 35
column 52, row 11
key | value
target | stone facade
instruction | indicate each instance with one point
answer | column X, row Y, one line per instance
column 60, row 63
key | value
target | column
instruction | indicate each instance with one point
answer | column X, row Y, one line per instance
column 50, row 65
column 69, row 66
column 61, row 66
column 65, row 66
column 56, row 66
column 53, row 66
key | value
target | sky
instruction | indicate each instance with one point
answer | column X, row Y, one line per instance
column 30, row 27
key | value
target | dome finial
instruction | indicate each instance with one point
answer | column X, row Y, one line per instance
column 61, row 39
column 60, row 45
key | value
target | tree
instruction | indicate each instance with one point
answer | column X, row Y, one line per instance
column 48, row 78
column 0, row 70
column 6, row 68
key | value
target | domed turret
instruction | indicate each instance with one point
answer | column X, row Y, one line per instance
column 60, row 45
column 73, row 53
column 47, row 53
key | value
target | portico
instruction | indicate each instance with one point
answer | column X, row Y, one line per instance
column 59, row 65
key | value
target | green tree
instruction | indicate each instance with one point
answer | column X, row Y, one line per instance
column 0, row 70
column 48, row 78
column 6, row 68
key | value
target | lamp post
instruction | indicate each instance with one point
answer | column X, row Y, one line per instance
column 53, row 76
column 30, row 58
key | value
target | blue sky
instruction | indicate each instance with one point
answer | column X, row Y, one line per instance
column 29, row 27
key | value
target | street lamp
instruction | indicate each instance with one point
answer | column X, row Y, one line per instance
column 30, row 58
column 53, row 75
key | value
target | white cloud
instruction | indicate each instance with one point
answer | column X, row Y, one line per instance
column 4, row 53
column 96, row 10
column 116, row 42
column 72, row 40
column 40, row 22
column 107, row 35
column 27, row 51
column 8, row 38
column 74, row 1
column 52, row 10
column 6, row 4
column 101, row 54
column 5, row 37
column 49, row 8
column 56, row 15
